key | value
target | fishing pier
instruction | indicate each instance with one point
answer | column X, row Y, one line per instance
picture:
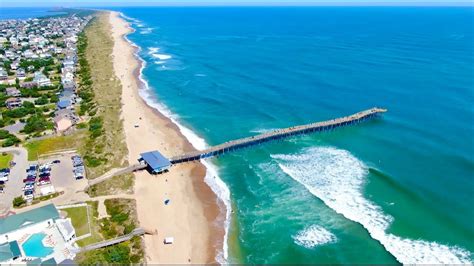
column 277, row 135
column 155, row 162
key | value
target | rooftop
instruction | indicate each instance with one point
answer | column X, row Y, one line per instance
column 17, row 221
column 155, row 160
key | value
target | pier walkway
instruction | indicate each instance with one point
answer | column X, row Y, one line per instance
column 106, row 243
column 278, row 134
column 251, row 141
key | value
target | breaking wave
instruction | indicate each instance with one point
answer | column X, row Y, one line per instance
column 337, row 178
column 313, row 236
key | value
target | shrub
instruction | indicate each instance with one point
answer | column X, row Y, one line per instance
column 19, row 202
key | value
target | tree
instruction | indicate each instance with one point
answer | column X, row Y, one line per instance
column 37, row 123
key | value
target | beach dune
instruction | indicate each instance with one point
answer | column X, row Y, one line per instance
column 192, row 214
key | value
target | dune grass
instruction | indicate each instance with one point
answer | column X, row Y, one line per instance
column 105, row 148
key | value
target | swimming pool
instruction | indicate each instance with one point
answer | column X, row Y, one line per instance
column 34, row 247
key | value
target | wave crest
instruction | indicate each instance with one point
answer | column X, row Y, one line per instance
column 337, row 178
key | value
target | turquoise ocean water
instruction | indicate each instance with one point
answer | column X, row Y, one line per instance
column 399, row 188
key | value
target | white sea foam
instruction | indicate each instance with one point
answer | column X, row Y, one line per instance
column 212, row 178
column 152, row 50
column 159, row 62
column 337, row 178
column 161, row 56
column 313, row 236
column 146, row 30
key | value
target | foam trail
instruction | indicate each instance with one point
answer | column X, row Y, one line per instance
column 337, row 178
column 212, row 178
column 162, row 56
column 313, row 236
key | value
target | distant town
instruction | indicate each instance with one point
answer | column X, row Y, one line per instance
column 37, row 77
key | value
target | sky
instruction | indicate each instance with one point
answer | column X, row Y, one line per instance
column 104, row 3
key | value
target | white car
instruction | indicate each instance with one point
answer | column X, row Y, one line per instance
column 27, row 187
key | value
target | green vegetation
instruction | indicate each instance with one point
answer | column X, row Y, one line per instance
column 114, row 185
column 9, row 139
column 79, row 219
column 5, row 160
column 122, row 221
column 19, row 202
column 47, row 197
column 54, row 144
column 95, row 228
column 124, row 253
column 37, row 64
column 100, row 91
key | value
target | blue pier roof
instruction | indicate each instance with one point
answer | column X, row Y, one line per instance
column 155, row 160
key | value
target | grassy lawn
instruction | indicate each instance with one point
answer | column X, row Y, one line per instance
column 109, row 149
column 95, row 227
column 54, row 144
column 5, row 160
column 79, row 219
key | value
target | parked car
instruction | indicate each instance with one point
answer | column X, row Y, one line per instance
column 1, row 190
column 28, row 187
column 43, row 182
column 31, row 176
column 29, row 180
column 5, row 170
column 28, row 194
column 32, row 167
column 56, row 161
column 45, row 174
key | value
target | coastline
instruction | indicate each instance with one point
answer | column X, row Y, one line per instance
column 195, row 216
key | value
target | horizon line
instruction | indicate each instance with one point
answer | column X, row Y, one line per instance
column 256, row 4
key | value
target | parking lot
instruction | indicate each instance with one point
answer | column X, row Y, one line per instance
column 46, row 176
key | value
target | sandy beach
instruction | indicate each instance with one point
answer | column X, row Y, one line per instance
column 193, row 210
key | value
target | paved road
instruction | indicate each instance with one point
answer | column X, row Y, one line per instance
column 17, row 173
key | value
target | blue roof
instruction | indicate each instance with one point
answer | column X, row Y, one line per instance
column 64, row 103
column 155, row 160
column 17, row 221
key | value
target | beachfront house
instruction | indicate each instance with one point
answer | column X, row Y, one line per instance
column 39, row 234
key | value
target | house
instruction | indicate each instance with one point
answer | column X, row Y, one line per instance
column 3, row 74
column 20, row 73
column 12, row 103
column 41, row 79
column 64, row 104
column 66, row 229
column 62, row 123
column 12, row 92
column 28, row 84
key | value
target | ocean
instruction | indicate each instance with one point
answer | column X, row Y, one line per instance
column 395, row 189
column 27, row 12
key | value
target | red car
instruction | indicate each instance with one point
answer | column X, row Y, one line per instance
column 29, row 179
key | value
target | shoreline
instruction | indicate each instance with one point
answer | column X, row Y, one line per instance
column 199, row 230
